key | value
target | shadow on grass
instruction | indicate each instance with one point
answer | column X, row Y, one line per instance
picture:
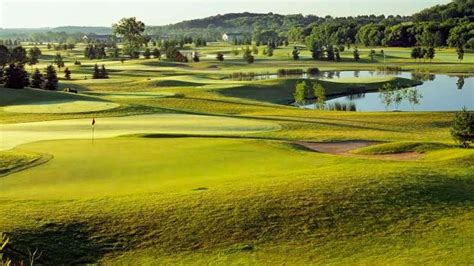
column 60, row 244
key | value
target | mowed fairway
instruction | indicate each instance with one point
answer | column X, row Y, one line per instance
column 15, row 134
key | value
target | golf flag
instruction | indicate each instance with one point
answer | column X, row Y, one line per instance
column 93, row 121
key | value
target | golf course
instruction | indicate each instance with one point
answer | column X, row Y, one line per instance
column 214, row 162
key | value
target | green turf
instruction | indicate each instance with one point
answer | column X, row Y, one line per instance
column 211, row 175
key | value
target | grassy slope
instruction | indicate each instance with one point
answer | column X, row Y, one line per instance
column 207, row 200
column 178, row 196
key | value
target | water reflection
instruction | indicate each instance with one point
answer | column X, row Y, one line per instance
column 460, row 82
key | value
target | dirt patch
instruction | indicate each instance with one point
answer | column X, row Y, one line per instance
column 344, row 147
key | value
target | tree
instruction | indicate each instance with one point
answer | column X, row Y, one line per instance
column 16, row 77
column 462, row 129
column 156, row 53
column 96, row 73
column 337, row 54
column 104, row 74
column 255, row 50
column 300, row 93
column 67, row 73
column 296, row 53
column 33, row 56
column 330, row 53
column 131, row 30
column 415, row 53
column 4, row 56
column 356, row 54
column 372, row 55
column 58, row 60
column 196, row 57
column 51, row 78
column 248, row 56
column 460, row 52
column 269, row 52
column 37, row 79
column 431, row 53
column 18, row 56
column 316, row 51
column 320, row 95
column 386, row 93
column 220, row 56
column 413, row 97
column 147, row 53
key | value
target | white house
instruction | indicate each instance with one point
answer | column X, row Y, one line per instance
column 231, row 37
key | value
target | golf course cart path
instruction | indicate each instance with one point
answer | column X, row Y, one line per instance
column 12, row 135
column 344, row 148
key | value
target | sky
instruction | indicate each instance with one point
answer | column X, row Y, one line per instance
column 41, row 13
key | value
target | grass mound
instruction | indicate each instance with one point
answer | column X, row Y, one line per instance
column 52, row 107
column 13, row 160
column 401, row 147
column 174, row 83
column 31, row 96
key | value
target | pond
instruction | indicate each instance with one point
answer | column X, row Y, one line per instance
column 438, row 93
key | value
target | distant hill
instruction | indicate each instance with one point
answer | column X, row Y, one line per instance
column 455, row 9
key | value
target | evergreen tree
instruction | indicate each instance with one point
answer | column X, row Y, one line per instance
column 67, row 73
column 462, row 129
column 37, row 79
column 356, row 54
column 96, row 74
column 104, row 74
column 16, row 77
column 51, row 78
column 269, row 52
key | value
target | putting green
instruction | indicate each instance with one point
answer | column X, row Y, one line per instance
column 61, row 107
column 118, row 166
column 15, row 134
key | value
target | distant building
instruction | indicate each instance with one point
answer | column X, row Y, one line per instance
column 96, row 37
column 231, row 37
